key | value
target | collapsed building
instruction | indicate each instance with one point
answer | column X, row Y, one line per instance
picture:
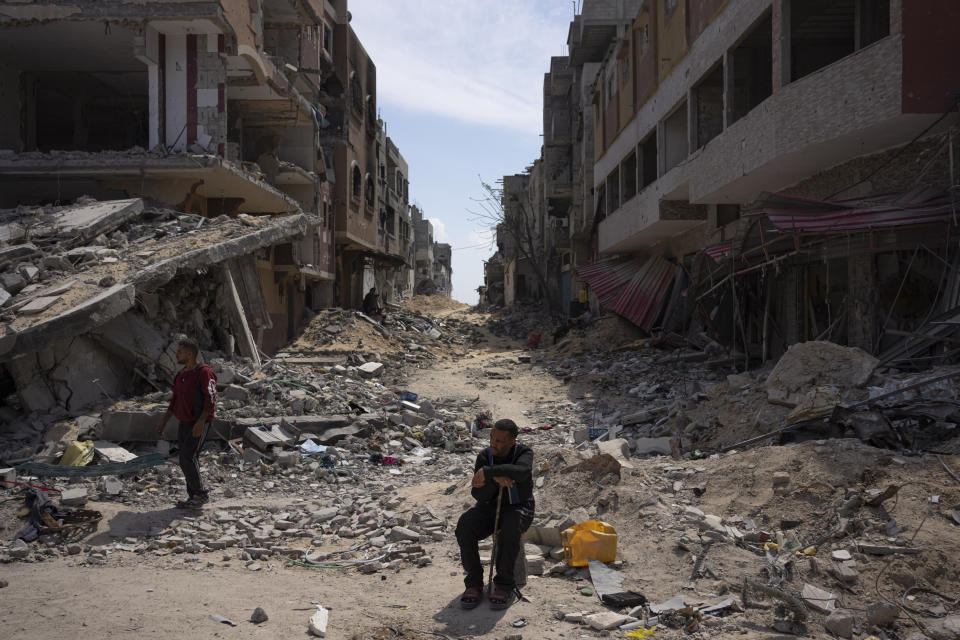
column 187, row 167
column 769, row 172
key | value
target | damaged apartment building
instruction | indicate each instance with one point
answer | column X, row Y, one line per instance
column 765, row 171
column 433, row 271
column 180, row 167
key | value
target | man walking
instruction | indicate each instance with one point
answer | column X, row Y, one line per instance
column 504, row 467
column 193, row 402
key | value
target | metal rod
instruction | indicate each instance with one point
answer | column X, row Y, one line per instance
column 496, row 536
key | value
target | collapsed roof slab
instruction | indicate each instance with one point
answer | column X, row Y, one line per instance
column 171, row 179
column 87, row 306
column 17, row 12
column 79, row 224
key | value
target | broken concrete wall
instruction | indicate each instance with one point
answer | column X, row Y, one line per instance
column 72, row 373
column 211, row 94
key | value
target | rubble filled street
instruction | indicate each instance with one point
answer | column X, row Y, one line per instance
column 344, row 461
column 695, row 373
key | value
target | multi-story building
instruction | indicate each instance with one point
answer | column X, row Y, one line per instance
column 394, row 259
column 423, row 252
column 443, row 268
column 210, row 108
column 707, row 106
column 350, row 138
column 759, row 165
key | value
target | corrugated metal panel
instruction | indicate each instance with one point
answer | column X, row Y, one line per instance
column 634, row 289
column 815, row 216
column 719, row 251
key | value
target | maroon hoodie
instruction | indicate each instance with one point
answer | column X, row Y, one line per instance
column 194, row 391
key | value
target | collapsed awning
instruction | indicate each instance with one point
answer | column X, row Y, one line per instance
column 634, row 289
column 789, row 213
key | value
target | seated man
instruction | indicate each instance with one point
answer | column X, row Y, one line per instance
column 371, row 303
column 504, row 467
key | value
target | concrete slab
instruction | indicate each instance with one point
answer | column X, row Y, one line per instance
column 87, row 221
column 38, row 305
column 135, row 426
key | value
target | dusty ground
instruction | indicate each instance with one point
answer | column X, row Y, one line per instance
column 174, row 595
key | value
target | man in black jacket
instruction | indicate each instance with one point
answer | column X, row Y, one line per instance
column 508, row 467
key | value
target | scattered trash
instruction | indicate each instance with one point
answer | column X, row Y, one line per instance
column 318, row 621
column 223, row 620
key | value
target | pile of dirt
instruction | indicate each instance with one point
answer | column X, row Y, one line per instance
column 433, row 305
column 867, row 550
column 607, row 332
column 337, row 331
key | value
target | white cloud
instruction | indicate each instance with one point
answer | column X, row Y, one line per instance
column 476, row 62
column 439, row 229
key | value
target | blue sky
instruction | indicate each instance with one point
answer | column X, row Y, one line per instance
column 460, row 87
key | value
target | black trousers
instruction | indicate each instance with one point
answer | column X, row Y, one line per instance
column 190, row 446
column 476, row 524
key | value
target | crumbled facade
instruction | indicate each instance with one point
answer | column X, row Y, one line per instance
column 186, row 167
column 756, row 169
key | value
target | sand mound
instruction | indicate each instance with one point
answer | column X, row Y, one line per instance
column 433, row 305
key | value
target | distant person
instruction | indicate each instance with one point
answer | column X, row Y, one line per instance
column 505, row 467
column 193, row 402
column 371, row 304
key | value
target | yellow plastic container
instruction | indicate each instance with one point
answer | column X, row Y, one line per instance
column 590, row 539
column 78, row 454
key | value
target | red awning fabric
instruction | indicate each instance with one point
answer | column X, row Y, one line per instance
column 634, row 289
column 789, row 213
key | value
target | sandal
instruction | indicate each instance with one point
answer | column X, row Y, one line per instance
column 500, row 598
column 471, row 597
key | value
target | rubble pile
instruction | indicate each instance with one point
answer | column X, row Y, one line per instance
column 794, row 538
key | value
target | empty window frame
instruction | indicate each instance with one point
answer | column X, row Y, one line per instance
column 727, row 213
column 613, row 191
column 648, row 159
column 752, row 61
column 628, row 176
column 708, row 97
column 675, row 144
column 824, row 31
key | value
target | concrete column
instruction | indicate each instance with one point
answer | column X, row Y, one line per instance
column 175, row 85
column 728, row 89
column 861, row 316
column 238, row 319
column 781, row 43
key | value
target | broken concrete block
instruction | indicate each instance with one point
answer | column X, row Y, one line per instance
column 844, row 573
column 607, row 620
column 135, row 426
column 651, row 446
column 8, row 475
column 112, row 486
column 402, row 533
column 234, row 392
column 412, row 419
column 840, row 623
column 4, row 296
column 28, row 271
column 817, row 598
column 12, row 282
column 112, row 452
column 288, row 458
column 882, row 614
column 370, row 369
column 817, row 363
column 781, row 479
column 38, row 305
column 19, row 549
column 73, row 497
column 617, row 448
column 581, row 434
